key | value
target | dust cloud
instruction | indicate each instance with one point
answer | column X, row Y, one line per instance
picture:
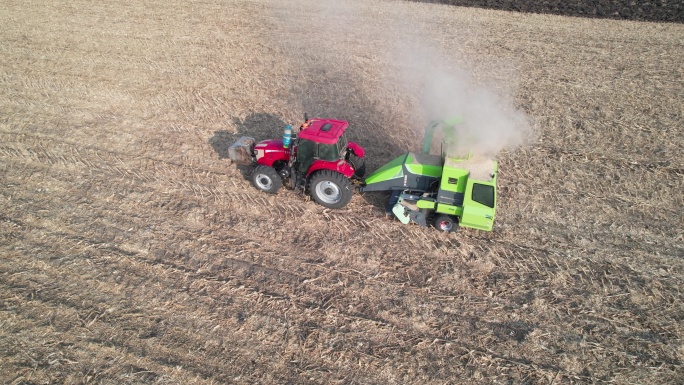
column 489, row 120
column 437, row 86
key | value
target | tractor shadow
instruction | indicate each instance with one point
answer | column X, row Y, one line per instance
column 259, row 125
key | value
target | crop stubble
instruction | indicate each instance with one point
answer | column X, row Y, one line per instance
column 132, row 253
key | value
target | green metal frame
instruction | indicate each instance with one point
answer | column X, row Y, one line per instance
column 475, row 214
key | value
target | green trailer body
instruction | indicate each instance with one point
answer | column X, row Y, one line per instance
column 445, row 190
column 414, row 171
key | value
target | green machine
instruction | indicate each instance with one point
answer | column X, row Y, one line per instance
column 437, row 187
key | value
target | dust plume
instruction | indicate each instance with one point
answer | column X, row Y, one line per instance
column 406, row 65
column 489, row 120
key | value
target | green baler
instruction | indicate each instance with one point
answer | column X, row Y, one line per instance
column 440, row 188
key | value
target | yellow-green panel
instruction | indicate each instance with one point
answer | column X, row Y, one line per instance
column 451, row 174
column 449, row 209
column 426, row 204
column 424, row 169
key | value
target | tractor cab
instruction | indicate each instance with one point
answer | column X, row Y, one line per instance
column 320, row 140
column 321, row 144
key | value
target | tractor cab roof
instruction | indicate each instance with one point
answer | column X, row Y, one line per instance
column 327, row 131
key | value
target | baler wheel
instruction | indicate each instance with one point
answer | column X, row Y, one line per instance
column 446, row 223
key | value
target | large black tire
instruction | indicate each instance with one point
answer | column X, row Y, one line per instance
column 446, row 223
column 359, row 166
column 330, row 189
column 266, row 179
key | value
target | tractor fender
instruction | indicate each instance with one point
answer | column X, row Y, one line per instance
column 356, row 149
column 338, row 166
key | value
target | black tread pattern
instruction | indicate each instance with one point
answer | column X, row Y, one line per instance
column 337, row 178
column 272, row 174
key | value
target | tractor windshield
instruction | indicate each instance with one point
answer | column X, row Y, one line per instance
column 342, row 143
column 308, row 151
column 332, row 152
column 328, row 152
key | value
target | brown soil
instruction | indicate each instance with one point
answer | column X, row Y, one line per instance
column 130, row 252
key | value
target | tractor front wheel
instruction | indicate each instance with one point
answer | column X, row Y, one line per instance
column 266, row 179
column 446, row 223
column 330, row 189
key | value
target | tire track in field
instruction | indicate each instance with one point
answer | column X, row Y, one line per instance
column 124, row 221
column 110, row 228
column 327, row 300
column 401, row 334
column 433, row 240
column 362, row 315
column 195, row 181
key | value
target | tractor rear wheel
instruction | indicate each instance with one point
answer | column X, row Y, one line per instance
column 446, row 223
column 266, row 179
column 330, row 189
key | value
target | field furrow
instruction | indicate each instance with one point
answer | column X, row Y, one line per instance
column 132, row 252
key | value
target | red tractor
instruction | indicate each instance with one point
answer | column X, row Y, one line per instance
column 318, row 159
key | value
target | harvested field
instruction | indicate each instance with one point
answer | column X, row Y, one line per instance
column 131, row 252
